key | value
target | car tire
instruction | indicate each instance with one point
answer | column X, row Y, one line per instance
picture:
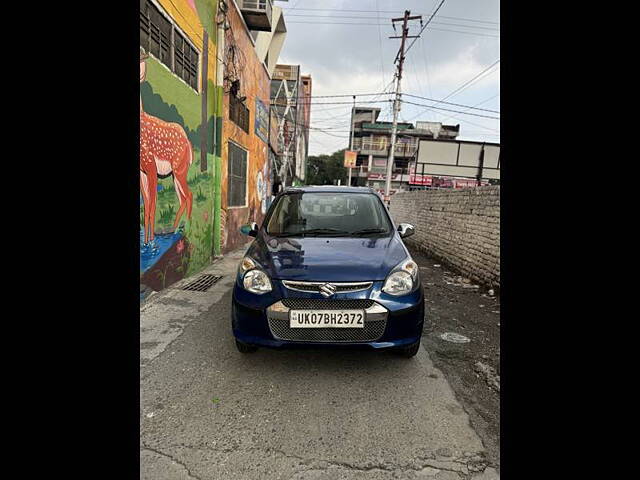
column 245, row 347
column 411, row 350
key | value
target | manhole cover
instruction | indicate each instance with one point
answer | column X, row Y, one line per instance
column 202, row 283
column 454, row 338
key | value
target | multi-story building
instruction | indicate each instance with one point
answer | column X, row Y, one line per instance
column 268, row 47
column 269, row 42
column 205, row 76
column 372, row 139
column 246, row 170
column 290, row 104
column 305, row 105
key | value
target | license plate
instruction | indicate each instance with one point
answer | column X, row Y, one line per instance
column 326, row 318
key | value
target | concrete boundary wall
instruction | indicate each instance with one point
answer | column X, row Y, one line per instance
column 460, row 228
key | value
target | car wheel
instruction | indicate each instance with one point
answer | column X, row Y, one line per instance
column 245, row 347
column 411, row 350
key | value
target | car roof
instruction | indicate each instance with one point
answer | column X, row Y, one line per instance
column 329, row 189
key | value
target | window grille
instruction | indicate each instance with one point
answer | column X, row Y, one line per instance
column 238, row 113
column 237, row 168
column 160, row 37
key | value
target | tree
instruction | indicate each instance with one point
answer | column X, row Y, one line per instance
column 326, row 169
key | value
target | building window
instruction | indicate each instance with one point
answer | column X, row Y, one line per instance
column 379, row 162
column 155, row 32
column 400, row 166
column 238, row 113
column 237, row 168
column 186, row 61
column 362, row 161
column 274, row 89
column 161, row 38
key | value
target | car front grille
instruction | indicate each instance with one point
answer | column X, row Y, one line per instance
column 321, row 304
column 314, row 287
column 374, row 322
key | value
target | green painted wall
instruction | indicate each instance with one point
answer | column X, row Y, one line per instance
column 175, row 253
column 174, row 92
column 217, row 205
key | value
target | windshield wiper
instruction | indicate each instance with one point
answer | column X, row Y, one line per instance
column 320, row 231
column 365, row 231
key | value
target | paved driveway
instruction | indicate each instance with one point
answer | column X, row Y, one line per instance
column 209, row 412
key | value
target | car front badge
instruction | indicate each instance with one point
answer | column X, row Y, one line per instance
column 328, row 290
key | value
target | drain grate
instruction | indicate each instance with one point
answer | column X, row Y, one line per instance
column 202, row 283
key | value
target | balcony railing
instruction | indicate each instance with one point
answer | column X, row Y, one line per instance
column 405, row 149
column 257, row 14
column 377, row 145
column 366, row 145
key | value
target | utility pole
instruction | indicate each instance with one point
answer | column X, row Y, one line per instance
column 396, row 101
column 353, row 113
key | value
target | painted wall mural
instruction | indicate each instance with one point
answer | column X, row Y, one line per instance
column 262, row 121
column 178, row 158
column 264, row 187
column 164, row 150
column 223, row 230
column 254, row 86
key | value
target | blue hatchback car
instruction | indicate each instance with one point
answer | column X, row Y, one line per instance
column 328, row 267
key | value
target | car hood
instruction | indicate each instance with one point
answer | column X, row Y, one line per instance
column 325, row 259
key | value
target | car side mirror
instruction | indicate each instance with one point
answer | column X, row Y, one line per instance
column 406, row 230
column 250, row 229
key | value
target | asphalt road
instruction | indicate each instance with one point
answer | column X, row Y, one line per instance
column 456, row 307
column 209, row 412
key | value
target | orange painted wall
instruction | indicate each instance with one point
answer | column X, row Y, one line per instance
column 255, row 83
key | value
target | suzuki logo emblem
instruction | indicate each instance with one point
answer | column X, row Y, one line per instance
column 327, row 290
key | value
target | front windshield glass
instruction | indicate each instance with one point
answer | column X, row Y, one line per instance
column 327, row 214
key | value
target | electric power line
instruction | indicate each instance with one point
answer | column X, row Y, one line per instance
column 451, row 103
column 391, row 93
column 479, row 103
column 388, row 11
column 425, row 26
column 386, row 25
column 346, row 103
column 464, row 120
column 378, row 18
column 470, row 82
column 349, row 95
column 459, row 89
column 332, row 135
column 449, row 110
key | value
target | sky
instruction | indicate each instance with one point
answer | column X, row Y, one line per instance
column 460, row 42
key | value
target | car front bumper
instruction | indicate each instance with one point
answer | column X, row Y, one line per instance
column 263, row 319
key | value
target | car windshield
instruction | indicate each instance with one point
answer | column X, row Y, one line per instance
column 328, row 214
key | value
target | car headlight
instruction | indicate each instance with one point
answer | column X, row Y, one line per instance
column 253, row 279
column 246, row 265
column 402, row 279
column 256, row 281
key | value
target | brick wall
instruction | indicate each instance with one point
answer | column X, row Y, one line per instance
column 460, row 228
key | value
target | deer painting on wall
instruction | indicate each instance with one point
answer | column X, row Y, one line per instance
column 164, row 150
